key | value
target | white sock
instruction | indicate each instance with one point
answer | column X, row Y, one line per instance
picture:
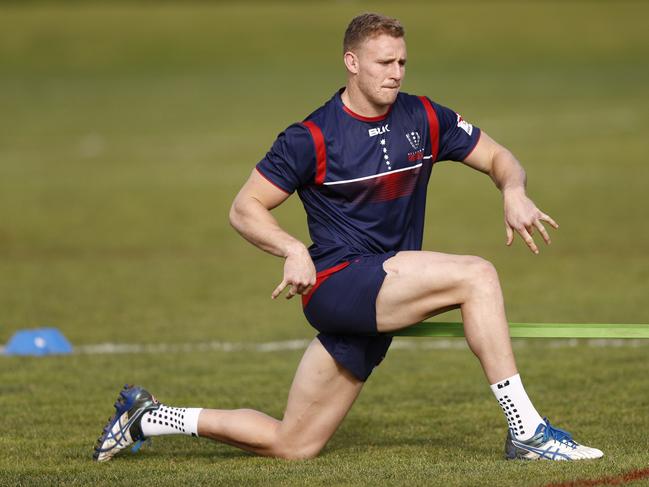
column 170, row 421
column 522, row 417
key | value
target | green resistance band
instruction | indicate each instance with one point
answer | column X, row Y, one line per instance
column 534, row 330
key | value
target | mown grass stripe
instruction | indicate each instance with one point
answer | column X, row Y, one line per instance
column 288, row 345
column 438, row 339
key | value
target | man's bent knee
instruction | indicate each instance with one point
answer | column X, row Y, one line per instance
column 483, row 267
column 482, row 276
column 296, row 452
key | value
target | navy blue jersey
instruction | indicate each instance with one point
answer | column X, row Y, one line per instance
column 362, row 180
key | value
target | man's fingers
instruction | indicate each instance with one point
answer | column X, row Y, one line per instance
column 510, row 234
column 292, row 291
column 304, row 288
column 528, row 240
column 278, row 290
column 542, row 231
column 548, row 218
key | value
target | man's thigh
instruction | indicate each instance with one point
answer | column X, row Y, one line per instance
column 421, row 284
column 321, row 395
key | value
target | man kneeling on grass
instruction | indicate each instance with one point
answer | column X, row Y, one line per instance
column 361, row 165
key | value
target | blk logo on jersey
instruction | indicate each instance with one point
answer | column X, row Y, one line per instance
column 464, row 125
column 414, row 138
column 379, row 130
column 503, row 384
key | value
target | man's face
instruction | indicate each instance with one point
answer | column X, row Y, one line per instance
column 381, row 68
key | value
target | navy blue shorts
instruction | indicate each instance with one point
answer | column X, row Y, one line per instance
column 342, row 307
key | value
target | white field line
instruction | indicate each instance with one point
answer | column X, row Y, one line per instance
column 211, row 346
column 300, row 344
column 288, row 345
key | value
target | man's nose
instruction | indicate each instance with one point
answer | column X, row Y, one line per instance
column 396, row 72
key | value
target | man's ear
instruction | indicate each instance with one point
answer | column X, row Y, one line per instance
column 351, row 62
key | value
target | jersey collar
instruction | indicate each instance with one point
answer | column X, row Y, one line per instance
column 355, row 115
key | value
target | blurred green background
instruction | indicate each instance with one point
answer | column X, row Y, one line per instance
column 127, row 128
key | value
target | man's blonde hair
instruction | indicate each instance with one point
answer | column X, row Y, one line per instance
column 367, row 25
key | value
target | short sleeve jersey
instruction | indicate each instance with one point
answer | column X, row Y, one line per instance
column 362, row 180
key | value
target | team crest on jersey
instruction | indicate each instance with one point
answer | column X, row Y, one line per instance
column 414, row 138
column 464, row 125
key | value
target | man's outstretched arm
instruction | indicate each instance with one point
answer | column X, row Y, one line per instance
column 250, row 216
column 521, row 214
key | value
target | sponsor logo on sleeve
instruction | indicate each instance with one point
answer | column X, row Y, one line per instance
column 464, row 125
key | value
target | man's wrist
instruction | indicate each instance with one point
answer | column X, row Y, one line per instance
column 515, row 190
column 295, row 248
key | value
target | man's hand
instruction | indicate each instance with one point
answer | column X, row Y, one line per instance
column 250, row 215
column 522, row 215
column 299, row 273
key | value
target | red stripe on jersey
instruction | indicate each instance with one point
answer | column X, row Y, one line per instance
column 384, row 187
column 433, row 126
column 320, row 151
column 321, row 277
column 394, row 185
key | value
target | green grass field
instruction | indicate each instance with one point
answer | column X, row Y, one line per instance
column 125, row 132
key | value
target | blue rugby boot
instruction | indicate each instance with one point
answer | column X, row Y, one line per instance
column 548, row 443
column 123, row 428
